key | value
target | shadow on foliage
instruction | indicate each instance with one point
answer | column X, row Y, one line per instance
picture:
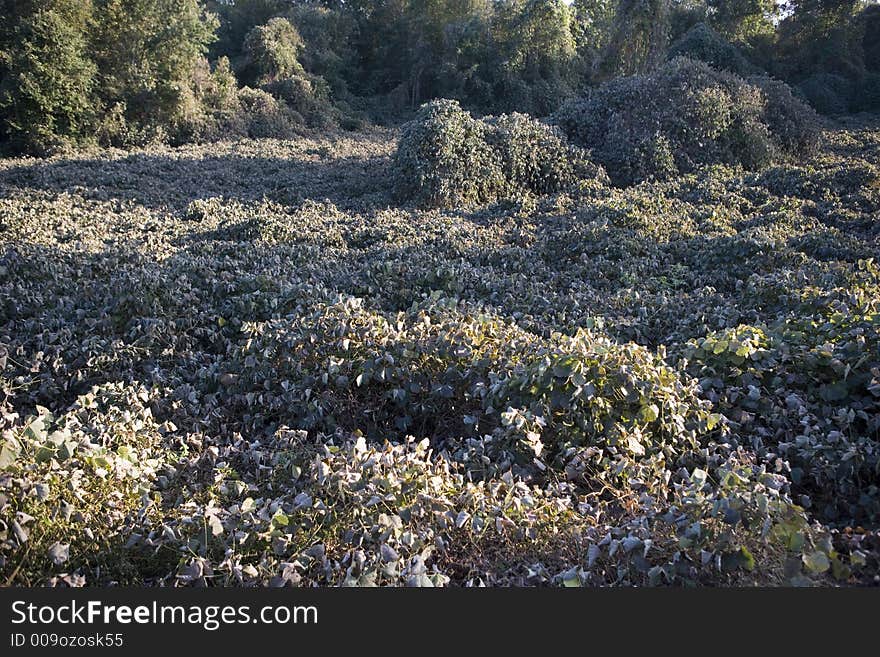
column 164, row 182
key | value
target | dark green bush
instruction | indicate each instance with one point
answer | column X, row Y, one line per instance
column 272, row 54
column 687, row 115
column 148, row 52
column 307, row 96
column 537, row 157
column 265, row 116
column 703, row 43
column 827, row 93
column 867, row 96
column 212, row 109
column 793, row 125
column 445, row 157
column 328, row 36
column 536, row 396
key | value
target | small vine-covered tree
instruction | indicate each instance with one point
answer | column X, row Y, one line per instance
column 272, row 51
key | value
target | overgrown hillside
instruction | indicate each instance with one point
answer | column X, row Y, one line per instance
column 254, row 363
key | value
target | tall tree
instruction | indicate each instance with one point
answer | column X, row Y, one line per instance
column 46, row 77
column 816, row 37
column 740, row 20
column 146, row 52
column 637, row 39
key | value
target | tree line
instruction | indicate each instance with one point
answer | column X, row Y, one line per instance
column 127, row 72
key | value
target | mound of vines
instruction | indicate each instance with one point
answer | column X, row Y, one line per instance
column 447, row 158
column 688, row 115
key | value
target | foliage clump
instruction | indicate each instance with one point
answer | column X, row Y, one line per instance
column 448, row 374
column 272, row 55
column 828, row 93
column 687, row 115
column 446, row 157
column 704, row 44
column 272, row 51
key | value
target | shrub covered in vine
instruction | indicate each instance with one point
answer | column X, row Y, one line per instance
column 684, row 116
column 446, row 157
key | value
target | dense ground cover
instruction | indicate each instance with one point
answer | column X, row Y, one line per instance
column 249, row 363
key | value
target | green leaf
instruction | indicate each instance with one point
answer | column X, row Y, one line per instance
column 280, row 519
column 817, row 562
column 570, row 579
column 720, row 347
column 834, row 392
column 214, row 524
column 747, row 559
column 8, row 453
column 44, row 454
column 101, row 462
column 840, row 570
column 650, row 413
column 36, row 430
column 66, row 449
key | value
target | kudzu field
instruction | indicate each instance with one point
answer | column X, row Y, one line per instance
column 252, row 364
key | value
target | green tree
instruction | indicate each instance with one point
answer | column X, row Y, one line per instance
column 541, row 39
column 272, row 52
column 236, row 19
column 147, row 52
column 46, row 77
column 868, row 33
column 741, row 20
column 637, row 39
column 591, row 25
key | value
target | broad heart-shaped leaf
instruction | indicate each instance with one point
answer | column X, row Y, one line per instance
column 66, row 449
column 9, row 451
column 214, row 524
column 650, row 413
column 364, row 580
column 834, row 391
column 36, row 430
column 699, row 476
column 570, row 579
column 816, row 562
column 280, row 519
column 635, row 446
column 44, row 454
column 420, row 580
